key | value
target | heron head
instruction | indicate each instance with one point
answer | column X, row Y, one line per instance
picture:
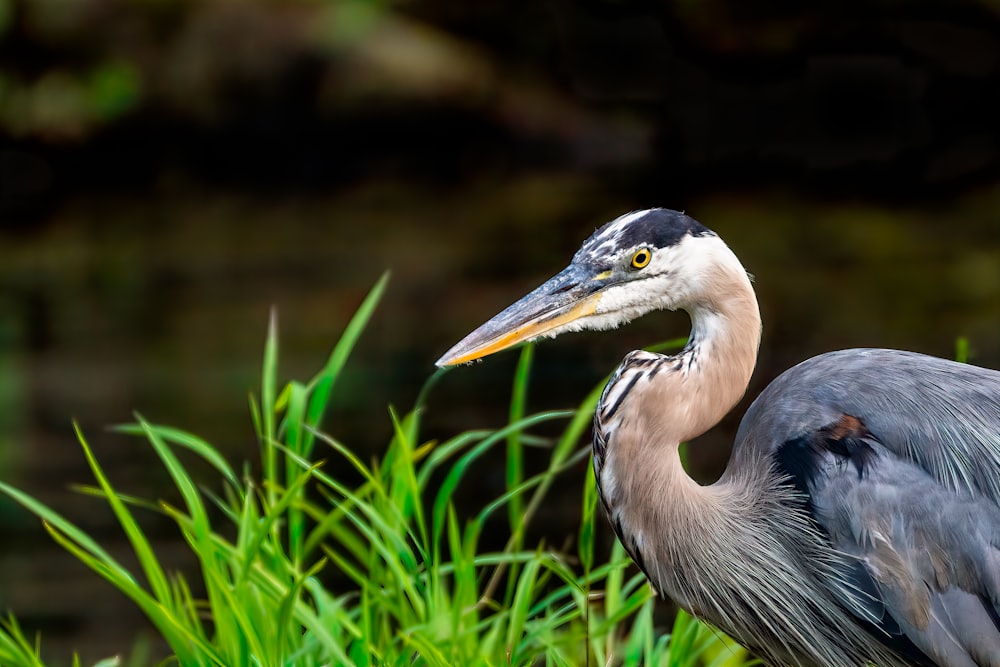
column 640, row 262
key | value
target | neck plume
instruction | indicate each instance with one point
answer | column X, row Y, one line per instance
column 653, row 403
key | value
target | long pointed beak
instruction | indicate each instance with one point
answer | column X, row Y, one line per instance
column 571, row 294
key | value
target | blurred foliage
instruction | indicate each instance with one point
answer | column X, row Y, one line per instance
column 6, row 11
column 62, row 103
column 72, row 67
column 619, row 83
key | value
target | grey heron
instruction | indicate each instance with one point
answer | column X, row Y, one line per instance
column 858, row 519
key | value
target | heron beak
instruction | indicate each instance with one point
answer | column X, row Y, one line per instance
column 567, row 296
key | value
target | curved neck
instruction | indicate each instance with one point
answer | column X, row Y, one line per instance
column 719, row 358
column 692, row 391
column 655, row 402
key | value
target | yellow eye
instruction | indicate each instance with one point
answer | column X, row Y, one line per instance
column 641, row 258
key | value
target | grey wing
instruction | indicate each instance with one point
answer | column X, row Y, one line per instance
column 923, row 561
column 899, row 461
column 941, row 415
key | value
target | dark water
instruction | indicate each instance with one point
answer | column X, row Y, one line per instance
column 160, row 305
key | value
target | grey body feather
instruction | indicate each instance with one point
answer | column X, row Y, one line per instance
column 941, row 415
column 892, row 559
column 923, row 517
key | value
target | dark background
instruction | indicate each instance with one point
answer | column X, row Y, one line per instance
column 169, row 170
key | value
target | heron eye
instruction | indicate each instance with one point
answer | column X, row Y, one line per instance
column 641, row 258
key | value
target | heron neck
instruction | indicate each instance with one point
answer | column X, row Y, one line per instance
column 642, row 479
column 656, row 402
column 719, row 358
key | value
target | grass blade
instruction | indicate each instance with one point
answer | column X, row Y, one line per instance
column 268, row 401
column 321, row 385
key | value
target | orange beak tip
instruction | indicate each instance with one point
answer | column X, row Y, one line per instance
column 452, row 363
column 511, row 336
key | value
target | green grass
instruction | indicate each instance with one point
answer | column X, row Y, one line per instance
column 300, row 567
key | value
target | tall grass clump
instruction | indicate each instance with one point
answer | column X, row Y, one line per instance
column 300, row 567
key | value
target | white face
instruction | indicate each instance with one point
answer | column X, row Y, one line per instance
column 643, row 261
column 643, row 279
